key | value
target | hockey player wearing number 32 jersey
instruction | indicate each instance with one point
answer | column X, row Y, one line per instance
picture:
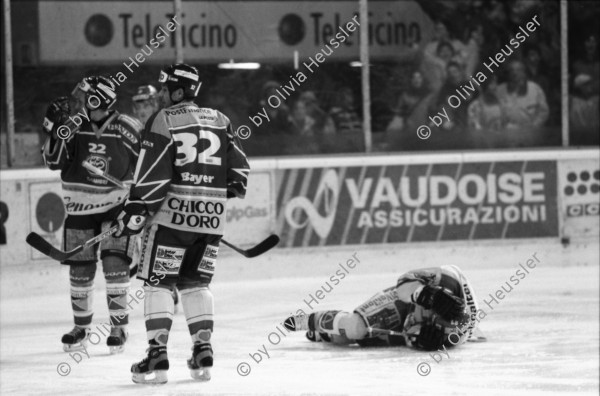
column 91, row 131
column 190, row 164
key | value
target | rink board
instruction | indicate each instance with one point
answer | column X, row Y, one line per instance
column 33, row 202
column 418, row 203
column 349, row 200
column 438, row 197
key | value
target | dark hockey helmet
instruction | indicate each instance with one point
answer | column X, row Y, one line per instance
column 181, row 75
column 456, row 331
column 96, row 92
column 144, row 92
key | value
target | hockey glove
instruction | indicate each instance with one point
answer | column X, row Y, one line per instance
column 431, row 337
column 131, row 220
column 442, row 302
column 57, row 114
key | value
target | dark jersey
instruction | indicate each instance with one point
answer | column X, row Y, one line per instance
column 113, row 148
column 190, row 163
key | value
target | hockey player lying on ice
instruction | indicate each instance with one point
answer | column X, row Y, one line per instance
column 427, row 309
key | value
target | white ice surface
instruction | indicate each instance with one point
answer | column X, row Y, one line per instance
column 543, row 338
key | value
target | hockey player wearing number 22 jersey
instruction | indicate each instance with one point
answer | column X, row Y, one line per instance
column 190, row 164
column 90, row 131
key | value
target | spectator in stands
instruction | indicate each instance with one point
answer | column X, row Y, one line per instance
column 495, row 12
column 486, row 116
column 441, row 35
column 303, row 124
column 435, row 66
column 409, row 109
column 590, row 64
column 323, row 122
column 453, row 131
column 473, row 50
column 521, row 10
column 495, row 17
column 584, row 113
column 279, row 116
column 344, row 114
column 535, row 71
column 457, row 116
column 523, row 100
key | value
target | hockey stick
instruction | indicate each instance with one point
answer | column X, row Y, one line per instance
column 270, row 242
column 40, row 244
column 385, row 332
column 477, row 336
column 103, row 174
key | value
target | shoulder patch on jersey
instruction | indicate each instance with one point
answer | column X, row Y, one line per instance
column 134, row 123
column 206, row 114
column 129, row 127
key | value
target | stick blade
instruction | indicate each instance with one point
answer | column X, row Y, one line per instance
column 37, row 242
column 269, row 243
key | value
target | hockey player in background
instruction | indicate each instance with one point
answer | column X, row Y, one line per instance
column 190, row 164
column 427, row 309
column 90, row 131
column 145, row 102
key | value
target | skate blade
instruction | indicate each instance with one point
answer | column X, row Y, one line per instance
column 116, row 349
column 156, row 377
column 202, row 374
column 79, row 346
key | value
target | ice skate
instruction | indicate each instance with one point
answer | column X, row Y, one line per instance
column 76, row 339
column 117, row 339
column 298, row 322
column 153, row 368
column 201, row 362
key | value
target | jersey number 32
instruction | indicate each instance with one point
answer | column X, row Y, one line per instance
column 187, row 151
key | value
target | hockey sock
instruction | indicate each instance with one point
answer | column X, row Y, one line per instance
column 197, row 302
column 198, row 307
column 340, row 326
column 82, row 293
column 116, row 273
column 158, row 312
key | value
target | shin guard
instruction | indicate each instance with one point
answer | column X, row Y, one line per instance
column 116, row 273
column 82, row 293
